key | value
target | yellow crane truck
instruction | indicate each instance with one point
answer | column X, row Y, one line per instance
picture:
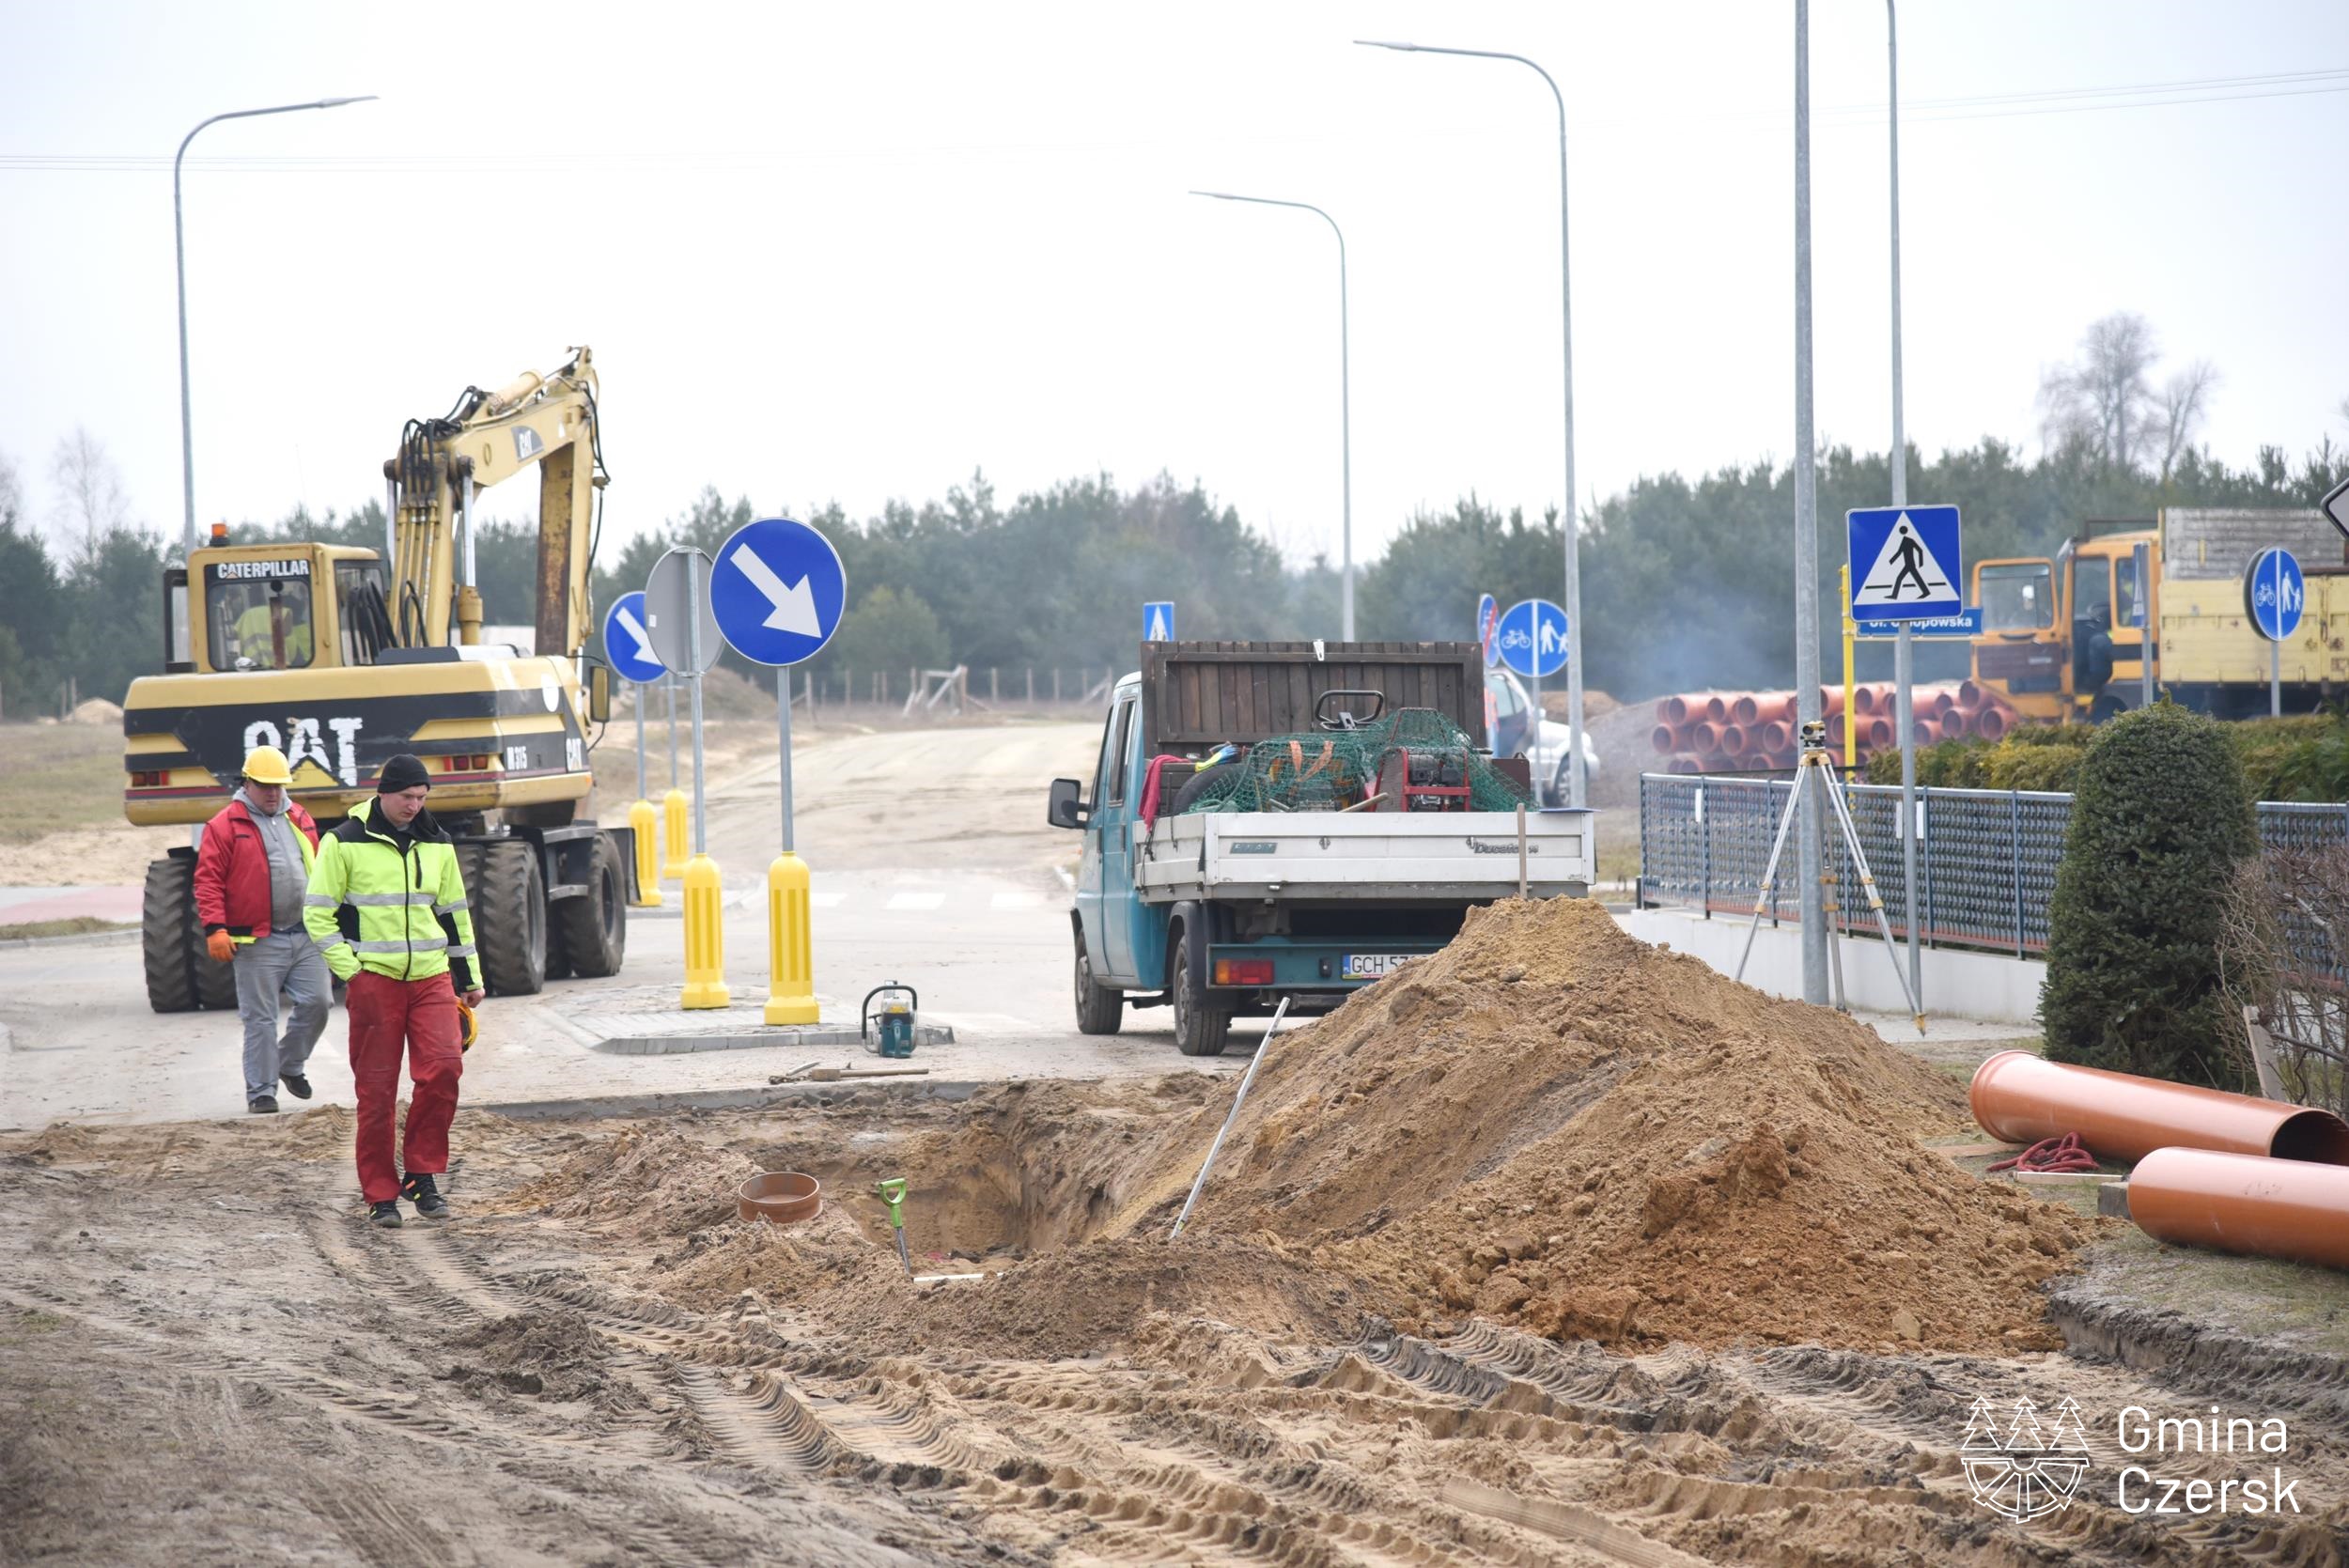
column 2064, row 639
column 343, row 657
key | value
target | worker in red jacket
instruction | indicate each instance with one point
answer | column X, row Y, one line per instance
column 250, row 876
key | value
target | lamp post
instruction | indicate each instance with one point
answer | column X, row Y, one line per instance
column 1579, row 784
column 1345, row 415
column 180, row 244
column 1813, row 844
column 1904, row 669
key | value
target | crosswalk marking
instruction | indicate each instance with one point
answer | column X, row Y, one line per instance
column 915, row 900
column 1014, row 901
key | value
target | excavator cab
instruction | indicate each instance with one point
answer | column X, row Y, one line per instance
column 276, row 607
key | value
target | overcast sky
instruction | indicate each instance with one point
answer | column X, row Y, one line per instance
column 856, row 252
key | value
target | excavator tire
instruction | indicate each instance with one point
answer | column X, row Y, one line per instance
column 590, row 932
column 509, row 918
column 168, row 935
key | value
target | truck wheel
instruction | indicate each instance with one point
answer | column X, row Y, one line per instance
column 591, row 931
column 1100, row 1009
column 215, row 981
column 510, row 919
column 1199, row 1030
column 168, row 938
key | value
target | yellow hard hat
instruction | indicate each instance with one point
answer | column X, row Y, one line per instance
column 266, row 765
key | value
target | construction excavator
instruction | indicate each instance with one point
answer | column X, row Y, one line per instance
column 343, row 657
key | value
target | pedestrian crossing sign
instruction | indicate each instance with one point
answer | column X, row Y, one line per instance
column 1906, row 562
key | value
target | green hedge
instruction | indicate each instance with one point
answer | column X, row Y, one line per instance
column 2161, row 818
column 2300, row 758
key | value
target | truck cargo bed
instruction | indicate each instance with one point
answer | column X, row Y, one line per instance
column 1392, row 857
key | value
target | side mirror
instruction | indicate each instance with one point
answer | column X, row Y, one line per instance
column 600, row 693
column 1066, row 806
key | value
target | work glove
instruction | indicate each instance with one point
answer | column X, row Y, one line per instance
column 221, row 945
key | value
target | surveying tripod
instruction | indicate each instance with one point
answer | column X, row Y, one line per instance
column 1814, row 760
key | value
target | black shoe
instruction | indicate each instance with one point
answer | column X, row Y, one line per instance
column 296, row 1085
column 262, row 1105
column 418, row 1189
column 385, row 1214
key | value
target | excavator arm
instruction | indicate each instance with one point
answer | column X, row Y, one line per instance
column 548, row 422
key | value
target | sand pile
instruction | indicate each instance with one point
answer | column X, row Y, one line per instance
column 646, row 1182
column 1552, row 1124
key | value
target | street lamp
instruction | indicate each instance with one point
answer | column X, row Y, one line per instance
column 1566, row 314
column 180, row 244
column 1345, row 415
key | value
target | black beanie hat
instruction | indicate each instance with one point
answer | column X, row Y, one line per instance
column 402, row 773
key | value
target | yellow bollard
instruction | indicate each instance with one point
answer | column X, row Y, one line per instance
column 705, row 938
column 790, row 958
column 674, row 852
column 645, row 823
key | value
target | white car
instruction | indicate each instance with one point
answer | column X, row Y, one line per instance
column 1507, row 705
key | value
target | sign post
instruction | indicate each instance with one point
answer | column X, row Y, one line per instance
column 1904, row 567
column 628, row 647
column 779, row 593
column 684, row 633
column 2274, row 594
column 1532, row 641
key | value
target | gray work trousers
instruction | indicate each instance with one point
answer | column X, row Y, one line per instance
column 287, row 961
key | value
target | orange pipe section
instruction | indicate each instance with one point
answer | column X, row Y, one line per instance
column 2020, row 1098
column 2266, row 1208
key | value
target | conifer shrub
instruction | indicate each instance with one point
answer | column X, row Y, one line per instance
column 2161, row 820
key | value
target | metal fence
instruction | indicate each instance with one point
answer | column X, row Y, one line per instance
column 1985, row 858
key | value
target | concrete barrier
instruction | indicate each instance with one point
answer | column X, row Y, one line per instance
column 1958, row 984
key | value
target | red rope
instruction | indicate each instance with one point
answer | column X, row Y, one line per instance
column 2065, row 1153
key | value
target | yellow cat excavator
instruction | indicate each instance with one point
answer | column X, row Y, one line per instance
column 343, row 657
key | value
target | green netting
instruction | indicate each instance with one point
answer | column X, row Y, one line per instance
column 1332, row 769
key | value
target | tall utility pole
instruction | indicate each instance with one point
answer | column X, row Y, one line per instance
column 1814, row 933
column 1345, row 410
column 1569, row 517
column 179, row 246
column 1903, row 667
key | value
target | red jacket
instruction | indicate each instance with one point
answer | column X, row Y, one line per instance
column 232, row 871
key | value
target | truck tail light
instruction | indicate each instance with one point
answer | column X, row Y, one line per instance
column 1243, row 971
column 146, row 781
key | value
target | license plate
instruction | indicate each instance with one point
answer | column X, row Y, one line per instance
column 1370, row 966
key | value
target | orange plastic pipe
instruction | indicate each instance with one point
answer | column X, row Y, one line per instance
column 2267, row 1208
column 2019, row 1097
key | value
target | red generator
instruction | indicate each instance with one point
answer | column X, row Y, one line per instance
column 1423, row 779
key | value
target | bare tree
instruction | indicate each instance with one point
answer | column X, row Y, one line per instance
column 2178, row 410
column 2104, row 401
column 91, row 502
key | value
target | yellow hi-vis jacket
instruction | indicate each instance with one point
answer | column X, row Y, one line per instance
column 372, row 907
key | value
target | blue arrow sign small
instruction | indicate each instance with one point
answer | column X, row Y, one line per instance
column 1158, row 621
column 1488, row 628
column 1532, row 638
column 628, row 645
column 778, row 590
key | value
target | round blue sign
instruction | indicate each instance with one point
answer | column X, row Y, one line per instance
column 778, row 589
column 2274, row 592
column 628, row 645
column 1531, row 638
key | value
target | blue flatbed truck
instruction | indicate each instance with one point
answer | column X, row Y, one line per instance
column 1223, row 914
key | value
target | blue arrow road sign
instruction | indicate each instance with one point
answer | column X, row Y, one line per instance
column 1532, row 638
column 1905, row 563
column 778, row 590
column 1158, row 621
column 1488, row 625
column 628, row 645
column 2274, row 592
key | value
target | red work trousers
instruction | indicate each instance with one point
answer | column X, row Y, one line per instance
column 384, row 1014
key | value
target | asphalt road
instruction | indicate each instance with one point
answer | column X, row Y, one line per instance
column 931, row 865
